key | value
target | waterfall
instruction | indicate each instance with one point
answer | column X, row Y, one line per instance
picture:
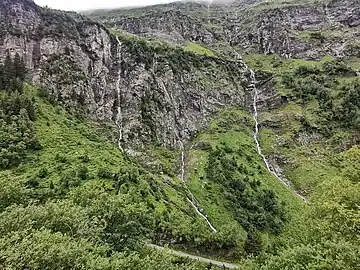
column 193, row 199
column 328, row 16
column 256, row 133
column 202, row 215
column 118, row 119
column 183, row 167
column 170, row 98
column 255, row 115
column 208, row 9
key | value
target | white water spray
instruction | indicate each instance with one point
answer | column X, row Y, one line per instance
column 209, row 3
column 183, row 167
column 118, row 119
column 256, row 133
column 193, row 199
column 329, row 17
column 202, row 215
column 254, row 89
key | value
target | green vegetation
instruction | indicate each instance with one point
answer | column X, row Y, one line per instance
column 253, row 207
column 71, row 199
column 337, row 100
column 77, row 202
column 314, row 133
column 78, row 190
column 17, row 113
column 179, row 58
column 191, row 46
column 230, row 182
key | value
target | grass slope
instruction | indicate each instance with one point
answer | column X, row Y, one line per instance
column 233, row 128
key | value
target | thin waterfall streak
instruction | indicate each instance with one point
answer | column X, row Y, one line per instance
column 256, row 133
column 202, row 215
column 208, row 9
column 192, row 201
column 183, row 167
column 118, row 119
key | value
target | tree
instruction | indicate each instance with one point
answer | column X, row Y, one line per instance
column 8, row 74
column 19, row 67
column 253, row 243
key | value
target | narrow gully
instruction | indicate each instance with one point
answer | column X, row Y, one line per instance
column 118, row 120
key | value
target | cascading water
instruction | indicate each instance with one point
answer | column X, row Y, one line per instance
column 209, row 3
column 183, row 157
column 192, row 201
column 256, row 133
column 202, row 215
column 118, row 119
column 328, row 16
column 183, row 166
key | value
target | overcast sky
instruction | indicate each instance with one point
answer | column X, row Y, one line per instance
column 95, row 4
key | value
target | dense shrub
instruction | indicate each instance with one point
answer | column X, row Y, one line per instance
column 338, row 68
column 254, row 208
column 17, row 113
column 320, row 83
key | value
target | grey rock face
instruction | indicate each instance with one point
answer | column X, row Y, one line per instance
column 291, row 30
column 164, row 98
column 309, row 32
column 164, row 25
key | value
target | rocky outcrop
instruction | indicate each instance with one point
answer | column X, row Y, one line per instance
column 164, row 94
column 161, row 25
column 308, row 32
column 290, row 29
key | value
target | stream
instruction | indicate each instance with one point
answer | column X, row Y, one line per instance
column 253, row 87
column 193, row 200
column 118, row 119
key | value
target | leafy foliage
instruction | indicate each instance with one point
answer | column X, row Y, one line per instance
column 338, row 102
column 78, row 203
column 326, row 255
column 253, row 207
column 17, row 113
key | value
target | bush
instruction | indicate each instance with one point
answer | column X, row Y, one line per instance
column 318, row 36
column 32, row 183
column 253, row 207
column 43, row 172
column 338, row 68
column 85, row 158
column 60, row 158
column 82, row 172
column 303, row 71
column 105, row 173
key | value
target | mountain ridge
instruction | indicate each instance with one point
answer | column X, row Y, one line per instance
column 268, row 27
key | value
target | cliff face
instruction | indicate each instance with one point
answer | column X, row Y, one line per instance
column 158, row 93
column 289, row 29
column 307, row 32
column 160, row 25
column 155, row 93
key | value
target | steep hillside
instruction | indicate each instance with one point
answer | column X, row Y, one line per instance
column 226, row 131
column 156, row 93
column 72, row 186
column 78, row 200
column 308, row 110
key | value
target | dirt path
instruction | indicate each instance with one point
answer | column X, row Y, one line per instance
column 197, row 258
